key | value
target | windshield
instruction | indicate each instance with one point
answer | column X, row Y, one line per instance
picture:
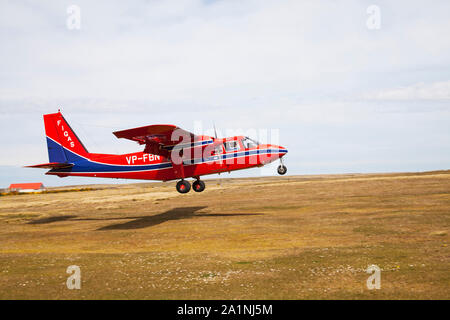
column 249, row 143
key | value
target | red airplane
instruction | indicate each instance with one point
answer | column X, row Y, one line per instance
column 170, row 153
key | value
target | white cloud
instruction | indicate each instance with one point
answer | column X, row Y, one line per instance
column 418, row 91
column 190, row 51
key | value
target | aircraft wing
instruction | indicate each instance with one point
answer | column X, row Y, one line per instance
column 162, row 138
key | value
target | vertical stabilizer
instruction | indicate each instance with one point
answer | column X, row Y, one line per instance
column 62, row 143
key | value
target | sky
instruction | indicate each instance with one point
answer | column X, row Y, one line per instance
column 348, row 86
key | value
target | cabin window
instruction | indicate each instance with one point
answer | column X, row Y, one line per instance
column 232, row 145
column 249, row 143
column 218, row 149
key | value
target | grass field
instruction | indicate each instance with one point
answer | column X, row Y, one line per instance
column 292, row 237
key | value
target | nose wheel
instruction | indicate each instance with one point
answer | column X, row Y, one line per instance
column 282, row 169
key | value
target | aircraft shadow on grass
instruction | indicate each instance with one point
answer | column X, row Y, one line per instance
column 140, row 222
column 51, row 219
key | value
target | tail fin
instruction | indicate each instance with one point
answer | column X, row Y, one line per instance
column 62, row 143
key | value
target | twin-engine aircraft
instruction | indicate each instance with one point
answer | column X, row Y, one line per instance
column 170, row 153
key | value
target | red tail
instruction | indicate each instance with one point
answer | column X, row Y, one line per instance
column 61, row 139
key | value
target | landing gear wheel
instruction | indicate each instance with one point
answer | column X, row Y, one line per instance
column 183, row 186
column 282, row 169
column 198, row 186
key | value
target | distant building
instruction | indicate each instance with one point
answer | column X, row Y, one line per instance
column 26, row 187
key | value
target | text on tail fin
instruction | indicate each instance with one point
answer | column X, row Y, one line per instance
column 62, row 142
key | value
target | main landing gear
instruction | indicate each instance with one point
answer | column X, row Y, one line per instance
column 198, row 186
column 281, row 168
column 184, row 186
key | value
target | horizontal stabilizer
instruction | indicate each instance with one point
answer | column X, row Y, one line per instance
column 52, row 165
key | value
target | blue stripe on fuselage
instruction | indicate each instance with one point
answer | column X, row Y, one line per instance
column 84, row 165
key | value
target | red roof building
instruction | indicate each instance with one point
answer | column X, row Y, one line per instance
column 24, row 187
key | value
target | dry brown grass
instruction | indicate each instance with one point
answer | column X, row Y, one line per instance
column 302, row 237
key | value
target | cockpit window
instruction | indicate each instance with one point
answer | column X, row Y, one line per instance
column 231, row 145
column 249, row 143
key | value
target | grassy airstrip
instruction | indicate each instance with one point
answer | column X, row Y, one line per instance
column 292, row 237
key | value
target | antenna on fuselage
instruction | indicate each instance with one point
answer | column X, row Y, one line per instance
column 215, row 132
